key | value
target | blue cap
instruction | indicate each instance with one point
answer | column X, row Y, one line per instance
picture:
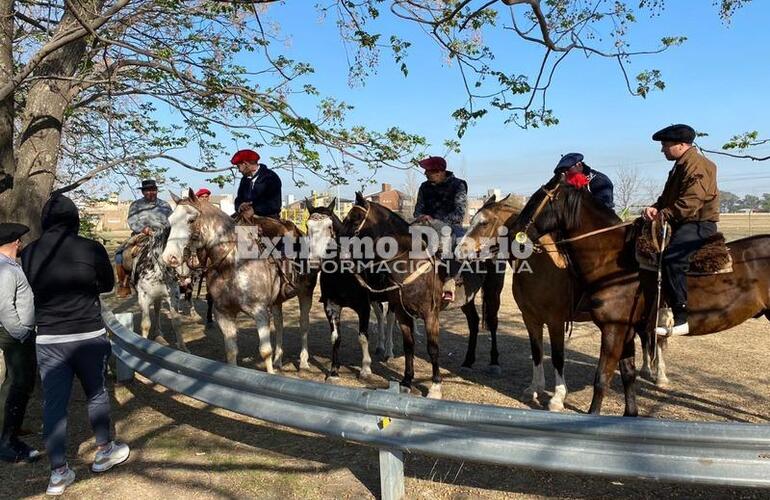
column 568, row 161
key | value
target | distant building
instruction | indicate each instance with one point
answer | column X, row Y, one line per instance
column 395, row 200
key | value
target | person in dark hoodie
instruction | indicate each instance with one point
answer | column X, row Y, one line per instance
column 67, row 273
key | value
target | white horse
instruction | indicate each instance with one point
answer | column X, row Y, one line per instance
column 156, row 283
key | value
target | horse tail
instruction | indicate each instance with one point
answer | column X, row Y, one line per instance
column 484, row 310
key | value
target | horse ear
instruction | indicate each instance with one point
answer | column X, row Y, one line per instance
column 511, row 201
column 360, row 200
column 491, row 199
column 175, row 198
column 309, row 205
column 332, row 205
column 191, row 195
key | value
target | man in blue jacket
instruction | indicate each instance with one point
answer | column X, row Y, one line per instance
column 598, row 184
column 259, row 192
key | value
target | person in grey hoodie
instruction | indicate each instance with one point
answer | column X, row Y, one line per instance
column 17, row 340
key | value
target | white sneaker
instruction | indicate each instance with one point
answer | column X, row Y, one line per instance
column 60, row 479
column 676, row 330
column 106, row 459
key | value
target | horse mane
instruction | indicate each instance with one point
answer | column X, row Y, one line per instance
column 392, row 216
column 149, row 255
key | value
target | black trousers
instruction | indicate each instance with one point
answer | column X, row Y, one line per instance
column 686, row 239
column 20, row 376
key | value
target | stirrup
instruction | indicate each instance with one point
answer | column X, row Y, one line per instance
column 676, row 330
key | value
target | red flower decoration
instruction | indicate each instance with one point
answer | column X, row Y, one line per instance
column 577, row 179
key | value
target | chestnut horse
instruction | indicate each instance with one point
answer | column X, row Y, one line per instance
column 602, row 252
column 414, row 290
column 545, row 292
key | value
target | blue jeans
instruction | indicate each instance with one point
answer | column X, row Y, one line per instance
column 59, row 365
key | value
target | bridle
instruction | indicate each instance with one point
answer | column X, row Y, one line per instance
column 365, row 218
column 550, row 196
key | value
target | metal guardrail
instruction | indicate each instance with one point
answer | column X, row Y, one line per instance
column 686, row 452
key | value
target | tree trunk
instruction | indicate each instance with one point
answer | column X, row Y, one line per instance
column 6, row 73
column 37, row 147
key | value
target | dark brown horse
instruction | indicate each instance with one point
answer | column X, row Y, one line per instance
column 602, row 252
column 412, row 285
column 546, row 292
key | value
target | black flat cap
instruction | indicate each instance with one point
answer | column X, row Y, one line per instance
column 10, row 231
column 675, row 133
column 149, row 184
column 568, row 161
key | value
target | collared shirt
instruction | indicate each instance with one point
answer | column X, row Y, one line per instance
column 17, row 303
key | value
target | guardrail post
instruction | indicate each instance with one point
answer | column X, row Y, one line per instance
column 122, row 372
column 392, row 468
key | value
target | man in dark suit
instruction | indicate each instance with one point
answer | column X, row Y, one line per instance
column 598, row 184
column 260, row 189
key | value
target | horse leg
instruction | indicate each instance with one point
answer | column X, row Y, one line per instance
column 610, row 352
column 491, row 308
column 209, row 308
column 229, row 329
column 661, row 380
column 535, row 331
column 646, row 371
column 390, row 318
column 379, row 313
column 472, row 317
column 276, row 330
column 144, row 304
column 363, row 340
column 262, row 318
column 556, row 336
column 406, row 323
column 305, row 303
column 628, row 375
column 173, row 308
column 333, row 312
column 431, row 334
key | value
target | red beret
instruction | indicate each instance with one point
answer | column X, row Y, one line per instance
column 245, row 155
column 202, row 191
column 433, row 164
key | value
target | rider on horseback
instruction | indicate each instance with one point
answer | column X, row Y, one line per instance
column 145, row 216
column 598, row 184
column 690, row 204
column 259, row 192
column 441, row 201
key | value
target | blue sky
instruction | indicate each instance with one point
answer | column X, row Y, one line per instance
column 717, row 82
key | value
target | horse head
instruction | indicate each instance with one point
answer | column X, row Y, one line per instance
column 193, row 226
column 323, row 227
column 480, row 241
column 561, row 205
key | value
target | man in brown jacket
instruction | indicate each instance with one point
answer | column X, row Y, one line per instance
column 690, row 204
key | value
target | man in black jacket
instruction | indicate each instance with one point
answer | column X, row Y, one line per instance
column 598, row 184
column 260, row 189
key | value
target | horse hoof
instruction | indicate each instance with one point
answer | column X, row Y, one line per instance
column 332, row 379
column 530, row 394
column 365, row 374
column 466, row 369
column 556, row 405
column 379, row 353
column 495, row 370
column 435, row 392
column 646, row 374
column 160, row 340
column 304, row 365
column 663, row 383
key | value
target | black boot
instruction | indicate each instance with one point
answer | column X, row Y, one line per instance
column 12, row 449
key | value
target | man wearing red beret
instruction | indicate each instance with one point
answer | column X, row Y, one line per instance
column 259, row 192
column 441, row 201
column 203, row 194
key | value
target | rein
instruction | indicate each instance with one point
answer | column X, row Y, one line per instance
column 363, row 221
column 594, row 233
